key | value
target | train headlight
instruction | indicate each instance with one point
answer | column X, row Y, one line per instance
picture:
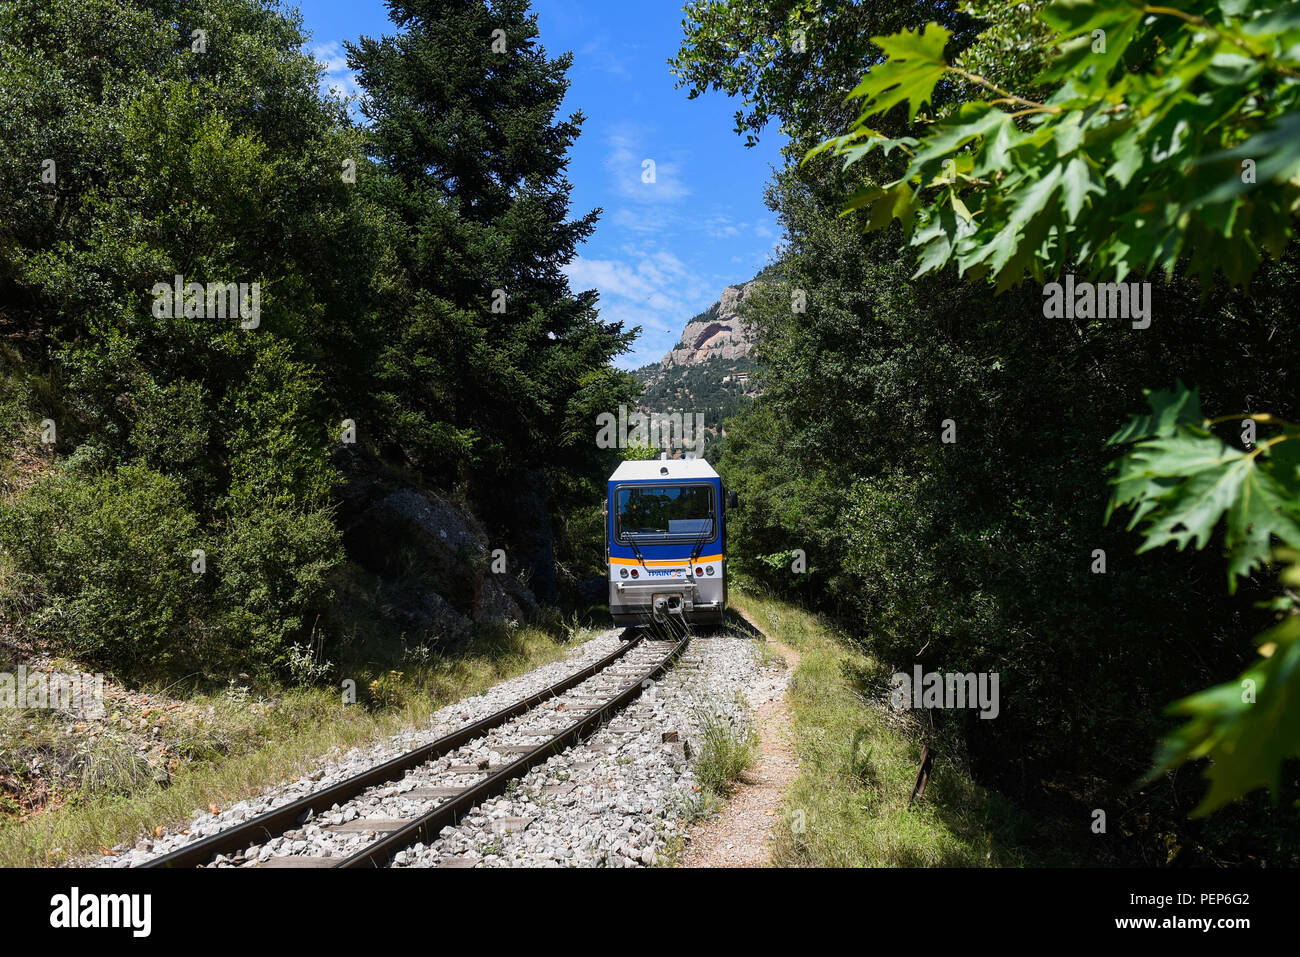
column 708, row 570
column 622, row 572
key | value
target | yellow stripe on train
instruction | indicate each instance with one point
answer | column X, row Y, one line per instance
column 674, row 561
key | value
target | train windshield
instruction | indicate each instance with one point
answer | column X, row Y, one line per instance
column 665, row 512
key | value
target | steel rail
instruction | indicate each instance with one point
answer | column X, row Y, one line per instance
column 426, row 826
column 278, row 820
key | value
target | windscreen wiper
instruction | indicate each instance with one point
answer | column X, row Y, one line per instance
column 699, row 543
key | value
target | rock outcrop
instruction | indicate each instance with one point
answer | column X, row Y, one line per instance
column 434, row 562
column 718, row 332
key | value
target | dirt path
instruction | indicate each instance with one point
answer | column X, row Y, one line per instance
column 740, row 834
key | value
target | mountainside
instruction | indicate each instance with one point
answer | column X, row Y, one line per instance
column 708, row 370
column 718, row 332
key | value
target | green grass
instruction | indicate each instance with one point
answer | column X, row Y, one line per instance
column 249, row 743
column 727, row 749
column 858, row 762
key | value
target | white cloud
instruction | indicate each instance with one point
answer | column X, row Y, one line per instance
column 338, row 79
column 721, row 226
column 610, row 276
column 598, row 54
column 648, row 287
column 645, row 219
column 629, row 163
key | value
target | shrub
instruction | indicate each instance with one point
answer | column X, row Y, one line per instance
column 271, row 566
column 103, row 565
column 105, row 562
column 388, row 691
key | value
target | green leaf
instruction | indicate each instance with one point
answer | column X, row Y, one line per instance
column 1247, row 728
column 973, row 121
column 914, row 64
column 1086, row 57
column 1275, row 153
column 1076, row 183
column 1181, row 480
column 1264, row 508
column 884, row 204
column 1129, row 157
column 1169, row 409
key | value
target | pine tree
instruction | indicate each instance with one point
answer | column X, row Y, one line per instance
column 496, row 365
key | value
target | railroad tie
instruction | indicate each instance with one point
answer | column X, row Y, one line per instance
column 299, row 862
column 368, row 825
column 425, row 794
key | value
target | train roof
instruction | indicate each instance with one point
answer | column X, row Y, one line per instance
column 654, row 469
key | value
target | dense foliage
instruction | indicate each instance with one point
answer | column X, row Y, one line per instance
column 200, row 434
column 141, row 140
column 1168, row 142
column 981, row 554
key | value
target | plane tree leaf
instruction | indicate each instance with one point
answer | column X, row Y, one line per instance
column 1182, row 483
column 913, row 64
column 1168, row 125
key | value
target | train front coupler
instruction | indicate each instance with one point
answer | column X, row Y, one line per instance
column 669, row 605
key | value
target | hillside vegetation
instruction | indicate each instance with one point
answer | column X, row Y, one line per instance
column 197, row 486
column 933, row 442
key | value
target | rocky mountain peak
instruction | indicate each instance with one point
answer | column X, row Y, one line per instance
column 717, row 332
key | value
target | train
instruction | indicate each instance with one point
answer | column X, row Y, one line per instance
column 666, row 543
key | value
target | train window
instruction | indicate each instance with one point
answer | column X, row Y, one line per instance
column 665, row 512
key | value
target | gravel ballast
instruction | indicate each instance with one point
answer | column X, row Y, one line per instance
column 618, row 799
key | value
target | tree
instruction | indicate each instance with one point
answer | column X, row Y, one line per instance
column 980, row 555
column 492, row 345
column 1168, row 142
column 138, row 142
column 494, row 366
column 791, row 60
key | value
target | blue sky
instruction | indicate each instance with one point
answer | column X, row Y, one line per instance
column 661, row 252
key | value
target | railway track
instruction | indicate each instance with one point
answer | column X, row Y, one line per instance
column 441, row 791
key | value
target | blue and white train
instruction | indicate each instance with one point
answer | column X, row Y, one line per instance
column 666, row 542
